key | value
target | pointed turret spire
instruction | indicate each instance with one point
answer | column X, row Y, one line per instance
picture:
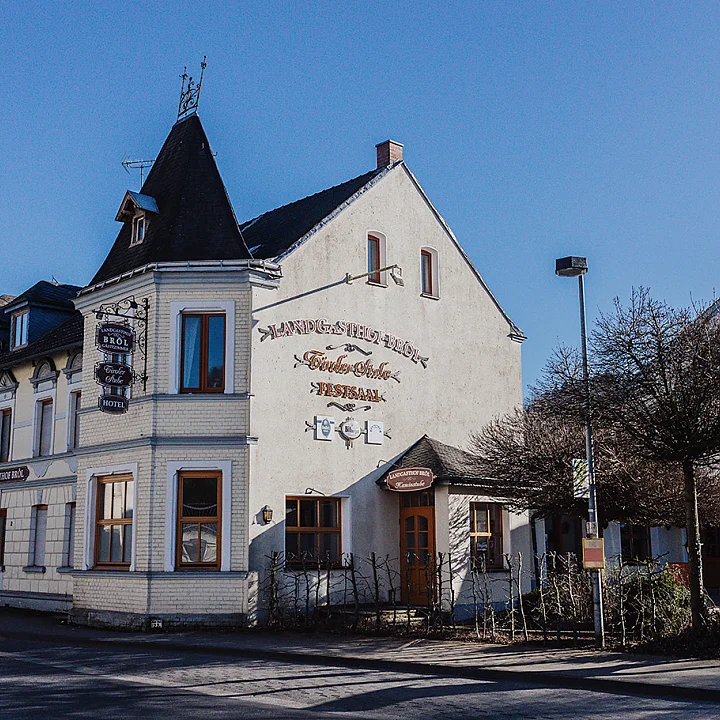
column 194, row 218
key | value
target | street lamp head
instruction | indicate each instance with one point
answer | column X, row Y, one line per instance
column 571, row 266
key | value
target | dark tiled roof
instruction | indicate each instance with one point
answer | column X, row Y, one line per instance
column 47, row 293
column 195, row 219
column 68, row 334
column 271, row 234
column 446, row 461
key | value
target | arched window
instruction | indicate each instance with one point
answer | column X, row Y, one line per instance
column 429, row 278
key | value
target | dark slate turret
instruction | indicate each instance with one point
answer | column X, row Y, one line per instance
column 194, row 219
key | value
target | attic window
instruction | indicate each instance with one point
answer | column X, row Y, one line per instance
column 138, row 229
column 19, row 333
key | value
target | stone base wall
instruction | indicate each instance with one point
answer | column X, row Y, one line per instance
column 47, row 602
column 162, row 621
column 179, row 599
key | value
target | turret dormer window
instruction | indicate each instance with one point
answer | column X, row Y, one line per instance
column 19, row 331
column 136, row 209
column 138, row 229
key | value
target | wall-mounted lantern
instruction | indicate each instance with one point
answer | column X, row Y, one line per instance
column 267, row 515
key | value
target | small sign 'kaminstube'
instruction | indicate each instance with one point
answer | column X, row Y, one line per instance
column 409, row 479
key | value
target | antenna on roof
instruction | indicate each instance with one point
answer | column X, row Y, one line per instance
column 190, row 95
column 142, row 164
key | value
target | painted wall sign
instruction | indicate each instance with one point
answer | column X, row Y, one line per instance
column 114, row 338
column 409, row 479
column 321, row 326
column 114, row 404
column 318, row 360
column 112, row 374
column 15, row 474
column 350, row 392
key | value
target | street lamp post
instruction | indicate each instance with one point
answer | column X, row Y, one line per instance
column 577, row 267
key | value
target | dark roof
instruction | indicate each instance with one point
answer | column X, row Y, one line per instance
column 195, row 219
column 274, row 232
column 446, row 461
column 46, row 293
column 68, row 334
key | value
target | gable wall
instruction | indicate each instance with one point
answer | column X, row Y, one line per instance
column 472, row 374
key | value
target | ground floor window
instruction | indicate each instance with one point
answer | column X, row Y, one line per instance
column 486, row 545
column 114, row 521
column 635, row 543
column 3, row 525
column 312, row 531
column 199, row 507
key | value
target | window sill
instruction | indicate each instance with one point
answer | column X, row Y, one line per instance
column 377, row 284
column 34, row 569
column 429, row 296
column 65, row 569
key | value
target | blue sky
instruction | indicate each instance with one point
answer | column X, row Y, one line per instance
column 538, row 129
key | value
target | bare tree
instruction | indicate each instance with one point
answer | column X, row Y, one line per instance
column 656, row 421
column 657, row 383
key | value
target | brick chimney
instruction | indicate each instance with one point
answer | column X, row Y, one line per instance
column 388, row 152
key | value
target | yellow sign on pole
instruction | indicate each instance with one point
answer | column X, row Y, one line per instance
column 593, row 553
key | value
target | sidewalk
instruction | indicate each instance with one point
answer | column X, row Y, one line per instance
column 569, row 668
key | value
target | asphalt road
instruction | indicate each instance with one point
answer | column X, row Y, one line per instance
column 43, row 681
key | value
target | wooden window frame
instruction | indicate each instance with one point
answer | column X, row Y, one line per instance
column 41, row 425
column 426, row 258
column 217, row 519
column 495, row 563
column 295, row 564
column 6, row 412
column 23, row 329
column 204, row 340
column 374, row 245
column 138, row 220
column 101, row 522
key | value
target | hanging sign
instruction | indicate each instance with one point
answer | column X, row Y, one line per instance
column 112, row 374
column 114, row 338
column 16, row 474
column 581, row 479
column 409, row 479
column 114, row 404
column 593, row 550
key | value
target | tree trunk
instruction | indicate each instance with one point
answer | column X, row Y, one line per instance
column 693, row 545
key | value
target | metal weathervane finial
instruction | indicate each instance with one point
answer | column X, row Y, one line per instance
column 190, row 95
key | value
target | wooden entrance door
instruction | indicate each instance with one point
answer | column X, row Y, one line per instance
column 417, row 547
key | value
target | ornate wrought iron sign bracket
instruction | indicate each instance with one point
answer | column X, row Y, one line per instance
column 137, row 312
